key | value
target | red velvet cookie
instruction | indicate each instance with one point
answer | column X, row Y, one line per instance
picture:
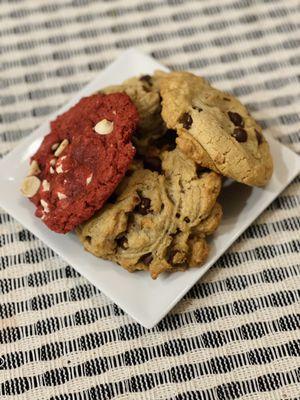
column 82, row 160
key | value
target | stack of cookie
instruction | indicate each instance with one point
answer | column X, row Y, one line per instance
column 158, row 215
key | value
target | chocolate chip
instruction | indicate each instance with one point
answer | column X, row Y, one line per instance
column 146, row 258
column 177, row 215
column 170, row 133
column 146, row 78
column 182, row 266
column 144, row 206
column 171, row 255
column 146, row 88
column 153, row 163
column 186, row 120
column 235, row 118
column 130, row 219
column 226, row 99
column 122, row 241
column 240, row 134
column 186, row 219
column 201, row 170
column 175, row 233
column 259, row 137
column 197, row 108
column 88, row 239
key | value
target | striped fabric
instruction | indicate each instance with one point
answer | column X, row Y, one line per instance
column 235, row 335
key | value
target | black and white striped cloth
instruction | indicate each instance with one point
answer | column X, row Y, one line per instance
column 235, row 335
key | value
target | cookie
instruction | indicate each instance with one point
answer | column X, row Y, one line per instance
column 144, row 93
column 160, row 217
column 214, row 128
column 82, row 160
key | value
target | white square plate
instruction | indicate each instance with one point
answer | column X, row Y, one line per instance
column 147, row 301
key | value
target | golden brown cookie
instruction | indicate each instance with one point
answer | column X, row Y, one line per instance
column 160, row 218
column 214, row 128
column 144, row 93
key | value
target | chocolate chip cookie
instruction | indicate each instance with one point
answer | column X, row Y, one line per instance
column 160, row 218
column 144, row 93
column 214, row 128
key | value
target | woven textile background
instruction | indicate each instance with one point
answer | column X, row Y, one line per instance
column 236, row 334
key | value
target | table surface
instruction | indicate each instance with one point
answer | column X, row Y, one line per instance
column 236, row 333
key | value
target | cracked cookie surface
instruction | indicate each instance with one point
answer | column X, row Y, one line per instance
column 160, row 218
column 214, row 128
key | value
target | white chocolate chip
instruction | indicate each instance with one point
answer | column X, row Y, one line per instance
column 61, row 147
column 34, row 168
column 46, row 185
column 30, row 186
column 53, row 161
column 89, row 179
column 51, row 170
column 62, row 158
column 61, row 196
column 104, row 127
column 54, row 146
column 59, row 169
column 44, row 204
column 115, row 112
column 43, row 217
